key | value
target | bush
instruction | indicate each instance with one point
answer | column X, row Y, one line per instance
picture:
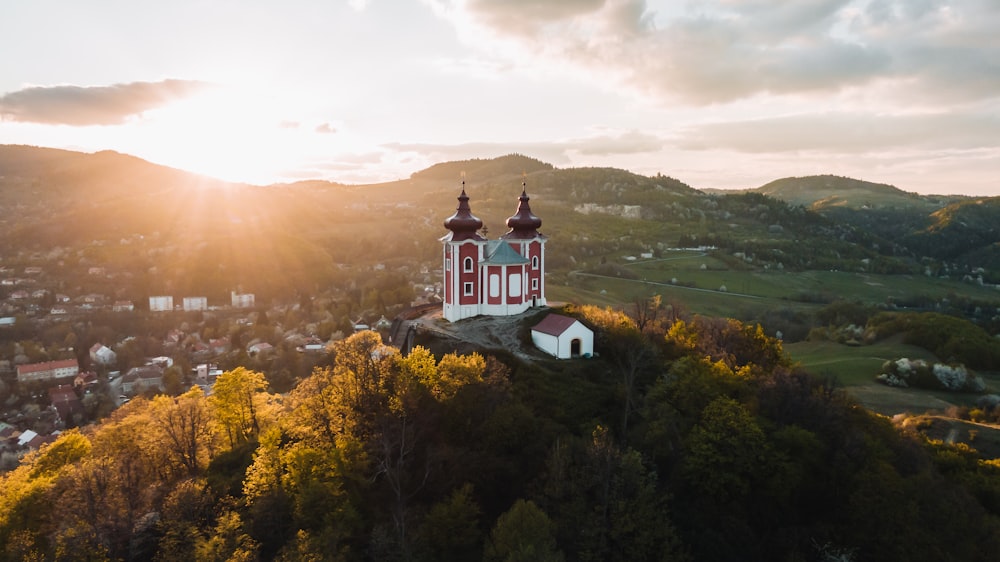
column 938, row 376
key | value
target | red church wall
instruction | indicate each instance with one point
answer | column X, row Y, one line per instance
column 534, row 251
column 515, row 281
column 494, row 293
column 468, row 251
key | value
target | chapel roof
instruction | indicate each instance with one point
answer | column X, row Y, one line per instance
column 463, row 224
column 523, row 224
column 554, row 324
column 499, row 252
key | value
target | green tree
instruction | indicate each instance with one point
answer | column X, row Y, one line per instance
column 451, row 529
column 173, row 380
column 628, row 349
column 523, row 534
column 726, row 452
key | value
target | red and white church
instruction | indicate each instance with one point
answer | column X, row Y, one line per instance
column 501, row 277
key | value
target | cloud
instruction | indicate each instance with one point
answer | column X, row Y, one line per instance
column 720, row 51
column 848, row 133
column 325, row 129
column 92, row 105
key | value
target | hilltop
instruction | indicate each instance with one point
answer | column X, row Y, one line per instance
column 824, row 191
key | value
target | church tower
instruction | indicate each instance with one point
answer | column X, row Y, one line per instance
column 524, row 237
column 463, row 249
column 501, row 277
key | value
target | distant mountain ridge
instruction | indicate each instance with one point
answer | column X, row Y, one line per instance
column 511, row 164
column 824, row 191
column 55, row 198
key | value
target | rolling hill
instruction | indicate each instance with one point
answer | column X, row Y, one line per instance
column 170, row 229
column 821, row 192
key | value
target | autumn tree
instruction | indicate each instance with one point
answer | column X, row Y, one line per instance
column 240, row 404
column 185, row 427
column 743, row 347
column 26, row 494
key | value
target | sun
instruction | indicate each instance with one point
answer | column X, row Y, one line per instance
column 235, row 134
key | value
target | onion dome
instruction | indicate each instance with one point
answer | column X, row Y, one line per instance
column 523, row 224
column 463, row 224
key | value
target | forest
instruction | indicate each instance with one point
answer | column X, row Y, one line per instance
column 688, row 438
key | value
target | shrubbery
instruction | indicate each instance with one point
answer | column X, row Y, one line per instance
column 953, row 339
column 937, row 376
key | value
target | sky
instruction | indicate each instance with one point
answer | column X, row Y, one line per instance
column 715, row 93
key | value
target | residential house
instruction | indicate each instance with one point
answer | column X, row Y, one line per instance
column 67, row 404
column 102, row 354
column 563, row 337
column 260, row 347
column 93, row 299
column 173, row 338
column 31, row 440
column 162, row 362
column 383, row 323
column 219, row 346
column 48, row 371
column 141, row 379
column 312, row 344
column 25, row 437
column 206, row 373
column 85, row 380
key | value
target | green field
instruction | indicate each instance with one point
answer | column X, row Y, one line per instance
column 853, row 365
column 696, row 279
column 855, row 368
column 693, row 280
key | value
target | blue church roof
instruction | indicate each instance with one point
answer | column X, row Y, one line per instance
column 499, row 252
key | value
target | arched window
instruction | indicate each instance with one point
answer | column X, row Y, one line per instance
column 534, row 262
column 467, row 267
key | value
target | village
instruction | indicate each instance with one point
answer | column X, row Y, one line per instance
column 69, row 361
